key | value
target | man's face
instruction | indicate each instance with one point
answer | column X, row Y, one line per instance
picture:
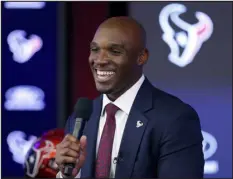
column 113, row 60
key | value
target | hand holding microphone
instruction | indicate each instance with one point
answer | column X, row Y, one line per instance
column 71, row 152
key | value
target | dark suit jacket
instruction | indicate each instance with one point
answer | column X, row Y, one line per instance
column 169, row 144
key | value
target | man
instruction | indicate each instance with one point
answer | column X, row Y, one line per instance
column 149, row 134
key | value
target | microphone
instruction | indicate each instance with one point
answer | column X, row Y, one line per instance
column 82, row 112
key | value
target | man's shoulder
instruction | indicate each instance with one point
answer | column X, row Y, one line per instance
column 169, row 110
column 170, row 104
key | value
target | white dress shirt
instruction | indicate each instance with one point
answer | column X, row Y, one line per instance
column 124, row 103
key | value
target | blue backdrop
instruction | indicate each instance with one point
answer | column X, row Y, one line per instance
column 190, row 46
column 28, row 79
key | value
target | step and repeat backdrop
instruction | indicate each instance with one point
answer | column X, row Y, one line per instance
column 29, row 79
column 190, row 46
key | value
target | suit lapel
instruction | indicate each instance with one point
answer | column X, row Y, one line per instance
column 91, row 131
column 134, row 130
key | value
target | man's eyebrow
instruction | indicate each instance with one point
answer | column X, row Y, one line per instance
column 93, row 44
column 110, row 45
column 115, row 45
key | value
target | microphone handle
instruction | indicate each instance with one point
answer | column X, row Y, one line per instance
column 68, row 169
column 77, row 132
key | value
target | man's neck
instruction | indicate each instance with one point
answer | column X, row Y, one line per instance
column 113, row 97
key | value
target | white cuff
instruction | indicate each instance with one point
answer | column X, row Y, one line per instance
column 59, row 175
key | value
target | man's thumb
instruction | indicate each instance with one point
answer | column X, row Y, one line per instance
column 83, row 142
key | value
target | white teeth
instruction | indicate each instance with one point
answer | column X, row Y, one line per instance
column 104, row 73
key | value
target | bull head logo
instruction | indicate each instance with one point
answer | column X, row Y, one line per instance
column 23, row 48
column 191, row 36
column 36, row 157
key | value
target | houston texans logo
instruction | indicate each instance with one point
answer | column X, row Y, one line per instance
column 36, row 157
column 190, row 38
column 209, row 147
column 23, row 49
column 19, row 145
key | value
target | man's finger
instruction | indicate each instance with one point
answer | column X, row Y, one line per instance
column 65, row 159
column 71, row 145
column 70, row 137
column 69, row 153
column 83, row 152
column 83, row 142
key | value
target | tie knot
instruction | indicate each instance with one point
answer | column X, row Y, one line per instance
column 111, row 109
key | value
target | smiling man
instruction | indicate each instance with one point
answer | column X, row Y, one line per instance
column 136, row 130
column 117, row 55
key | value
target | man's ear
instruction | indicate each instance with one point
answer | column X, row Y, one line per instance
column 143, row 57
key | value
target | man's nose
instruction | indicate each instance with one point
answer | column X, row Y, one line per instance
column 102, row 57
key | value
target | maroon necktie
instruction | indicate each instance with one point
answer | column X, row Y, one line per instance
column 103, row 162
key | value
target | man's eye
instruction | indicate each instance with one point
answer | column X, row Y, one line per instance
column 116, row 52
column 94, row 49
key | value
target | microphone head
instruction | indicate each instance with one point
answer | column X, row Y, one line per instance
column 83, row 108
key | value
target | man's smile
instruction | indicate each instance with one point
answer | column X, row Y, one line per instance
column 104, row 75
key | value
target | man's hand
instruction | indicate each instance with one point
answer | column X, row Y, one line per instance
column 70, row 150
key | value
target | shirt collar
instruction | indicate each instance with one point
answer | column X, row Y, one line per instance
column 125, row 101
